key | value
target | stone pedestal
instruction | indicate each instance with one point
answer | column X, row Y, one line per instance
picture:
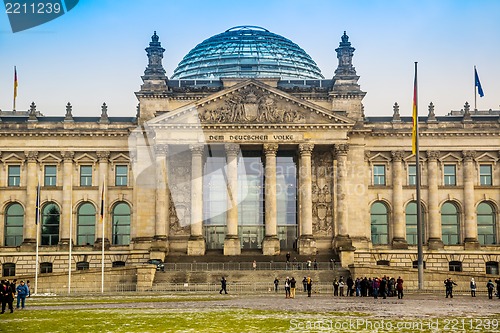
column 307, row 245
column 435, row 244
column 346, row 258
column 271, row 246
column 471, row 244
column 232, row 246
column 196, row 246
column 160, row 243
column 142, row 243
column 63, row 244
column 399, row 244
column 28, row 245
column 343, row 243
column 156, row 254
column 98, row 244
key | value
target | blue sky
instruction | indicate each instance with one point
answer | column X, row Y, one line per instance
column 95, row 53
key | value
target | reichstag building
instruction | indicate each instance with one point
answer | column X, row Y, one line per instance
column 248, row 147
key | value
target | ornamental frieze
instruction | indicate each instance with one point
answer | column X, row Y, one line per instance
column 322, row 183
column 251, row 105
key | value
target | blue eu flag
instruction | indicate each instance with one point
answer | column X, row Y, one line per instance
column 478, row 84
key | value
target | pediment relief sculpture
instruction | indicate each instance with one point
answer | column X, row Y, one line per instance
column 251, row 105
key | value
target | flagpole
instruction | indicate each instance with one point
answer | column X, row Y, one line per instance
column 102, row 239
column 37, row 222
column 70, row 254
column 15, row 89
column 475, row 89
column 420, row 228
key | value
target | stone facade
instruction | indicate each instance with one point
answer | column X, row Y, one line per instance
column 142, row 180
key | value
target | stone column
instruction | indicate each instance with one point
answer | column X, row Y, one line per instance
column 307, row 244
column 103, row 157
column 162, row 203
column 398, row 239
column 196, row 243
column 470, row 241
column 271, row 244
column 435, row 241
column 67, row 202
column 232, row 245
column 342, row 241
column 32, row 178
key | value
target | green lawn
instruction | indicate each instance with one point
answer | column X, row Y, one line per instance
column 206, row 313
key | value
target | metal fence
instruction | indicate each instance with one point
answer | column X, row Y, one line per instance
column 247, row 266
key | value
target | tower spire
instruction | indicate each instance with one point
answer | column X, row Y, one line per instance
column 155, row 69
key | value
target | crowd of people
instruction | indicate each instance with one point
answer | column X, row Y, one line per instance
column 9, row 290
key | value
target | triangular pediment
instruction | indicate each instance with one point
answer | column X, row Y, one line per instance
column 252, row 103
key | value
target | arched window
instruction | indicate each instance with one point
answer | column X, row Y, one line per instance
column 45, row 267
column 86, row 224
column 411, row 222
column 14, row 220
column 50, row 224
column 9, row 269
column 450, row 224
column 486, row 224
column 379, row 223
column 121, row 224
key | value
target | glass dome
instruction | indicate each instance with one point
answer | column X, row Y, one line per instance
column 246, row 52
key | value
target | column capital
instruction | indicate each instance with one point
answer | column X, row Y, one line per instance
column 196, row 149
column 341, row 149
column 397, row 155
column 306, row 148
column 31, row 155
column 270, row 148
column 67, row 155
column 232, row 148
column 468, row 155
column 161, row 149
column 103, row 155
column 433, row 155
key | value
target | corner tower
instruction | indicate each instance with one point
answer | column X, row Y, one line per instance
column 155, row 83
column 346, row 93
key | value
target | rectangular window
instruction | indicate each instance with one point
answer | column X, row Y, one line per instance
column 412, row 175
column 14, row 175
column 121, row 175
column 485, row 175
column 86, row 175
column 450, row 175
column 379, row 175
column 50, row 175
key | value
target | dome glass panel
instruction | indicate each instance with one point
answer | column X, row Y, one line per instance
column 247, row 52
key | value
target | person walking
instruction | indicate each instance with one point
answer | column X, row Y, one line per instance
column 399, row 287
column 490, row 286
column 472, row 287
column 350, row 284
column 449, row 283
column 293, row 284
column 375, row 287
column 309, row 286
column 254, row 265
column 223, row 284
column 304, row 283
column 497, row 281
column 276, row 284
column 22, row 293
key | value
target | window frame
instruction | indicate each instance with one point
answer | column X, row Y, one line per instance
column 448, row 177
column 455, row 266
column 18, row 237
column 9, row 269
column 412, row 177
column 386, row 224
column 379, row 179
column 46, row 267
column 119, row 177
column 85, row 177
column 11, row 176
column 488, row 176
column 459, row 231
column 49, row 179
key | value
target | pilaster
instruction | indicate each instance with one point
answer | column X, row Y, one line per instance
column 196, row 242
column 342, row 241
column 435, row 241
column 232, row 245
column 161, row 202
column 103, row 157
column 270, row 244
column 29, row 227
column 307, row 243
column 67, row 209
column 470, row 242
column 398, row 240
